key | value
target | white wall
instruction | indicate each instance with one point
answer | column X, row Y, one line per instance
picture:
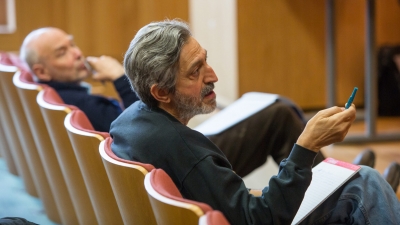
column 213, row 23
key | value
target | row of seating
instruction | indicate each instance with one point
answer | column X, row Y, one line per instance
column 62, row 160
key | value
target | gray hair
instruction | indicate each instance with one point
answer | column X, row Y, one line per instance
column 153, row 57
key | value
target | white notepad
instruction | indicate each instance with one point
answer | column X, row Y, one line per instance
column 249, row 104
column 328, row 176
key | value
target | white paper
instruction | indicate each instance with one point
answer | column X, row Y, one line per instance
column 249, row 104
column 326, row 179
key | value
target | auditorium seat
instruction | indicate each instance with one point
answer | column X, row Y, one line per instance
column 53, row 111
column 85, row 142
column 11, row 133
column 127, row 181
column 4, row 143
column 28, row 91
column 169, row 207
column 35, row 165
column 8, row 59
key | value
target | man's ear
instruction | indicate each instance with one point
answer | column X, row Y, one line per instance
column 159, row 94
column 41, row 72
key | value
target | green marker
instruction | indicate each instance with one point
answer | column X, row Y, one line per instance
column 350, row 101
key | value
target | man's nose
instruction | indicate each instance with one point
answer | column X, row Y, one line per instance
column 77, row 52
column 210, row 77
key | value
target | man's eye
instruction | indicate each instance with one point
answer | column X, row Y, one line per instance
column 196, row 71
column 60, row 53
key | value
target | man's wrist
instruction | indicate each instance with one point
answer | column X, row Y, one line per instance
column 302, row 156
column 116, row 77
column 307, row 144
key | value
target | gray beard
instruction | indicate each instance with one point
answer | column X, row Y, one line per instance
column 188, row 106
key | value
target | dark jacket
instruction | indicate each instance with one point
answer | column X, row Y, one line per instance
column 101, row 111
column 202, row 172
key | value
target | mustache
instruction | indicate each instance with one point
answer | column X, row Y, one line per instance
column 207, row 89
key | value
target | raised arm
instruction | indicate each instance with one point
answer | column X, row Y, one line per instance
column 327, row 127
column 106, row 68
column 109, row 69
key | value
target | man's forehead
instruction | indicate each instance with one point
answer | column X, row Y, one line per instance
column 62, row 41
column 52, row 41
column 192, row 51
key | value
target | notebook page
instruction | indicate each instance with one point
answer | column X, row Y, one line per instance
column 327, row 177
column 249, row 104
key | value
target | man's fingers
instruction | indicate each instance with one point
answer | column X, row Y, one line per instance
column 327, row 127
column 346, row 115
column 330, row 111
column 350, row 112
column 91, row 58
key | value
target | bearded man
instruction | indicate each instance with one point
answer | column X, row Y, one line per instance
column 168, row 69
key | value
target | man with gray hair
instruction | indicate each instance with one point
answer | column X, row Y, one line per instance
column 168, row 69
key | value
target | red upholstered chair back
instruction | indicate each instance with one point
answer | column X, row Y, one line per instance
column 163, row 184
column 30, row 150
column 27, row 77
column 127, row 181
column 110, row 153
column 168, row 204
column 52, row 97
column 11, row 59
column 214, row 217
column 28, row 91
column 54, row 111
column 80, row 121
column 85, row 143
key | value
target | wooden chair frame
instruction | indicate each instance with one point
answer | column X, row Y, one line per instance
column 53, row 115
column 127, row 182
column 12, row 136
column 85, row 145
column 28, row 92
column 35, row 164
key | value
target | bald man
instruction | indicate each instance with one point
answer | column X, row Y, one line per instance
column 55, row 60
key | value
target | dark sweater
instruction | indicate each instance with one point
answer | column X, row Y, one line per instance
column 101, row 111
column 201, row 171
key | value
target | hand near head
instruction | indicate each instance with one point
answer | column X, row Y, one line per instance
column 327, row 127
column 106, row 67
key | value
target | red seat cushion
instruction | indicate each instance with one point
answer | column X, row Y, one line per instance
column 163, row 184
column 80, row 121
column 51, row 96
column 27, row 77
column 11, row 59
column 216, row 217
column 109, row 152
